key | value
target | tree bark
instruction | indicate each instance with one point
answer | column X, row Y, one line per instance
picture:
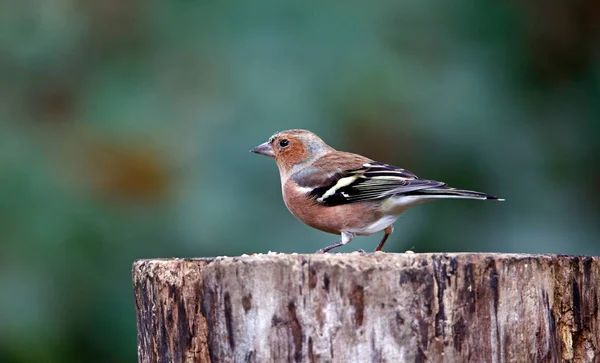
column 380, row 307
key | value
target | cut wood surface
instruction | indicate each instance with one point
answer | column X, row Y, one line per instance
column 381, row 307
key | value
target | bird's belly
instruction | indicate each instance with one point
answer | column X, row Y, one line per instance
column 360, row 219
column 377, row 226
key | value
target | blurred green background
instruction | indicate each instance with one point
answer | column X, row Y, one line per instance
column 125, row 128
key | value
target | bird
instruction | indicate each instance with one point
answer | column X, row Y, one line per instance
column 344, row 193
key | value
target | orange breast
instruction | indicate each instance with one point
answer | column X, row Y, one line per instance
column 329, row 219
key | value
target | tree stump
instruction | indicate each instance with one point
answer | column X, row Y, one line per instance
column 381, row 307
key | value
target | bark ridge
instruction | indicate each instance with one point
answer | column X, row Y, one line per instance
column 380, row 307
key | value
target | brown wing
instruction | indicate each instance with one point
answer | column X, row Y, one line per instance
column 329, row 168
column 343, row 178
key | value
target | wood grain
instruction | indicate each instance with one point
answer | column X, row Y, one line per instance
column 381, row 307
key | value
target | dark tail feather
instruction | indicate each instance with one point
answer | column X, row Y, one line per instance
column 447, row 192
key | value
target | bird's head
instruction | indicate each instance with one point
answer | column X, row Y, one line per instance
column 292, row 147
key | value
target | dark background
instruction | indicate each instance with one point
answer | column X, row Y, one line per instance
column 125, row 128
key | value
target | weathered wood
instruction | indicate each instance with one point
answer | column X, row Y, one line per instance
column 369, row 308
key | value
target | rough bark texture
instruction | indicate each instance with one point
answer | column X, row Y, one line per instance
column 369, row 308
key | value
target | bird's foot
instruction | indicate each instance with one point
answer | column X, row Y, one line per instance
column 329, row 248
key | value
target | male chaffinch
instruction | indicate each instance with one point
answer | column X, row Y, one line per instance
column 344, row 193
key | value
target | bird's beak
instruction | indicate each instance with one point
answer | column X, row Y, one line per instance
column 264, row 149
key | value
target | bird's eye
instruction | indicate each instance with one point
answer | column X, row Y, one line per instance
column 284, row 143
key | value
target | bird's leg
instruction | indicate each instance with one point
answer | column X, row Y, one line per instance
column 346, row 237
column 388, row 231
column 330, row 247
